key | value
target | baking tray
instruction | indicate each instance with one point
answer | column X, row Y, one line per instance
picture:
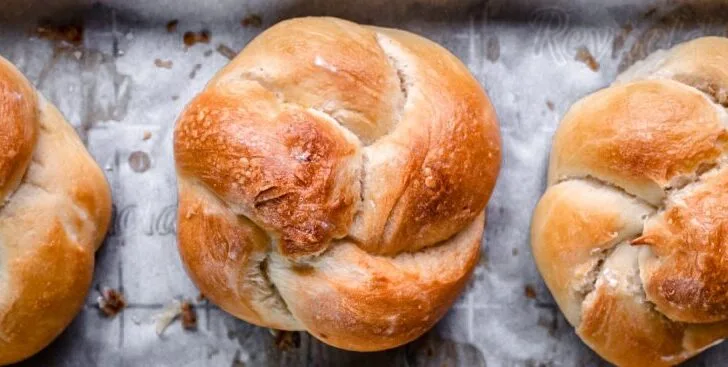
column 124, row 83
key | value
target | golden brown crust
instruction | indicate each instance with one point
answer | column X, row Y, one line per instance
column 50, row 227
column 654, row 141
column 18, row 127
column 575, row 225
column 699, row 63
column 353, row 300
column 626, row 333
column 687, row 275
column 641, row 136
column 224, row 255
column 426, row 181
column 288, row 169
column 581, row 243
column 618, row 320
column 45, row 291
column 326, row 64
column 326, row 144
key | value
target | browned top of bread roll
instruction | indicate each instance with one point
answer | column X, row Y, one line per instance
column 630, row 235
column 18, row 130
column 333, row 178
column 55, row 206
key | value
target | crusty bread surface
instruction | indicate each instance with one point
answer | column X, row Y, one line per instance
column 55, row 206
column 332, row 178
column 631, row 236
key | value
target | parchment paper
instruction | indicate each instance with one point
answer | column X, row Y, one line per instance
column 116, row 89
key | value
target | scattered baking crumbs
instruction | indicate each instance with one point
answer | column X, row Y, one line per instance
column 530, row 292
column 139, row 161
column 286, row 340
column 147, row 135
column 192, row 38
column 110, row 302
column 184, row 310
column 72, row 34
column 208, row 53
column 620, row 39
column 226, row 51
column 166, row 316
column 252, row 20
column 189, row 316
column 550, row 105
column 194, row 71
column 172, row 25
column 201, row 298
column 166, row 64
column 236, row 360
column 583, row 55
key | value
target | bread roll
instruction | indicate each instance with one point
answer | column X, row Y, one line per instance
column 55, row 207
column 631, row 235
column 332, row 178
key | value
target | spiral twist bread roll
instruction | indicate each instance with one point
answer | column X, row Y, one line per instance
column 631, row 235
column 332, row 178
column 55, row 207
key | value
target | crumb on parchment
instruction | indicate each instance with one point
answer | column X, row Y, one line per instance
column 286, row 340
column 177, row 309
column 172, row 25
column 165, row 64
column 583, row 55
column 226, row 51
column 192, row 38
column 110, row 302
column 252, row 20
column 189, row 316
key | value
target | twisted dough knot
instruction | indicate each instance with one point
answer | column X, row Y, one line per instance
column 632, row 234
column 55, row 206
column 333, row 178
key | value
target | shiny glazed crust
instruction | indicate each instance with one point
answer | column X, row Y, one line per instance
column 55, row 206
column 630, row 235
column 332, row 178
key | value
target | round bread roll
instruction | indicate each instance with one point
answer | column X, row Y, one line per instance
column 55, row 206
column 631, row 235
column 332, row 178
